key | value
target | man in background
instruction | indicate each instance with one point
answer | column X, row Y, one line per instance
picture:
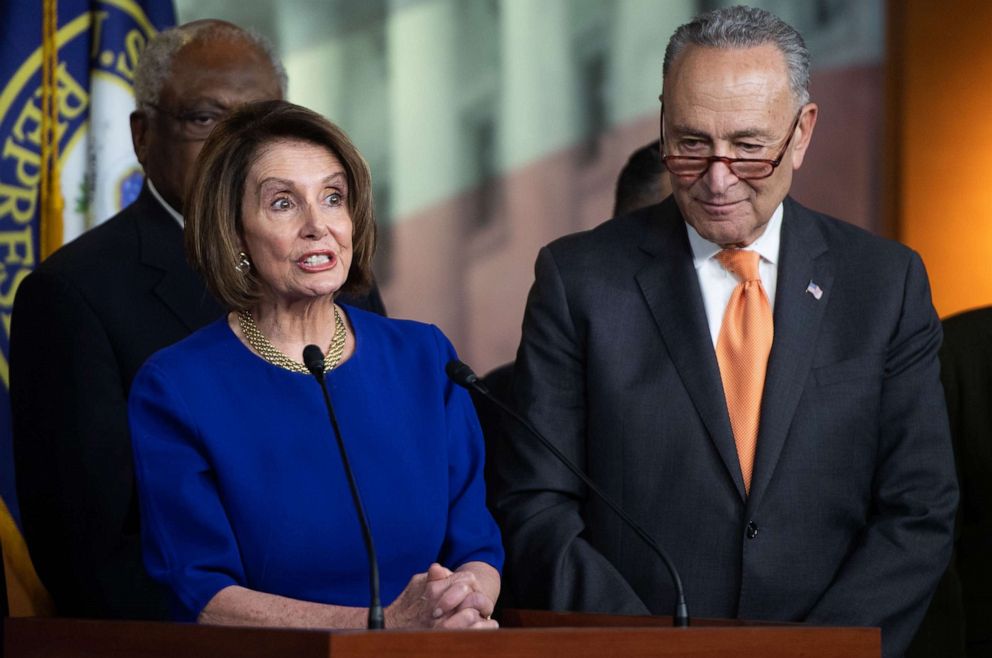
column 87, row 318
column 756, row 383
column 959, row 622
column 642, row 181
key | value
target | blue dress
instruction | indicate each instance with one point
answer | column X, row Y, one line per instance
column 241, row 483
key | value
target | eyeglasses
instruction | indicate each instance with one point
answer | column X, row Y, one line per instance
column 194, row 125
column 743, row 168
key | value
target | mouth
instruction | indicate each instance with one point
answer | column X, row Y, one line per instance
column 719, row 207
column 318, row 261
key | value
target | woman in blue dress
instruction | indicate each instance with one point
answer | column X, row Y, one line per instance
column 246, row 512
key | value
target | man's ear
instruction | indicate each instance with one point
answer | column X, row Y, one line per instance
column 801, row 143
column 139, row 134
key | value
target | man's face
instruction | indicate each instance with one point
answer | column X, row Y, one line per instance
column 733, row 103
column 208, row 79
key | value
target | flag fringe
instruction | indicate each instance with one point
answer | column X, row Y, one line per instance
column 52, row 203
column 26, row 596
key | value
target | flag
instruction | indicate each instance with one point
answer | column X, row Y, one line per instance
column 66, row 160
column 814, row 290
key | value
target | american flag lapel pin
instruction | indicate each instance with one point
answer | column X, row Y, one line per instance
column 814, row 290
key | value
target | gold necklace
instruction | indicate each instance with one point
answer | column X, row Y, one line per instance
column 268, row 351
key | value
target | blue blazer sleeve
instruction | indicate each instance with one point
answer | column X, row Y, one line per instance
column 187, row 539
column 472, row 534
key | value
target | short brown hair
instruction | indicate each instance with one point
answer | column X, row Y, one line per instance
column 213, row 209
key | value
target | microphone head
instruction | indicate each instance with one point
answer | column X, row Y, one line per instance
column 461, row 373
column 313, row 359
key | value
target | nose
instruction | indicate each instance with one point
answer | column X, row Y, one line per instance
column 311, row 227
column 719, row 178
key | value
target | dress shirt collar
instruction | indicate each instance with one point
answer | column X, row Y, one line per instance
column 766, row 245
column 169, row 209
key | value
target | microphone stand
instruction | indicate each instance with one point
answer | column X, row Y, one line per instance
column 314, row 360
column 463, row 375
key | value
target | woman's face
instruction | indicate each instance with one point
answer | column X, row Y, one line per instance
column 295, row 221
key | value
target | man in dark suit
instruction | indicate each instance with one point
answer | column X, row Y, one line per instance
column 966, row 360
column 780, row 429
column 87, row 318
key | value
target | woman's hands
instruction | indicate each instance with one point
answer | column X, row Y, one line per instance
column 441, row 598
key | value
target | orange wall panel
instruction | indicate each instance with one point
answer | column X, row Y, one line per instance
column 941, row 159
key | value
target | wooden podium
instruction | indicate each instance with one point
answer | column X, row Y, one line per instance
column 525, row 634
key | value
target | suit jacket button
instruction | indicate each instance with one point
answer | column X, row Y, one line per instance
column 752, row 530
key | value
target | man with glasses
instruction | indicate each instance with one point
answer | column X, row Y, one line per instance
column 88, row 317
column 755, row 383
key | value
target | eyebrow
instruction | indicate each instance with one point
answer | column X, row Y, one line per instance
column 285, row 182
column 205, row 103
column 747, row 133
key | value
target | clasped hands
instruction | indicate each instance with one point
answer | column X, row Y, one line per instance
column 442, row 598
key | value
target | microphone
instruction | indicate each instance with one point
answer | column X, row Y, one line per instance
column 463, row 375
column 313, row 358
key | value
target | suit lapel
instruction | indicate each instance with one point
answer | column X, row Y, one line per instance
column 671, row 289
column 803, row 259
column 160, row 242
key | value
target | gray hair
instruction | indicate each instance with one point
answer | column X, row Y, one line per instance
column 746, row 27
column 155, row 63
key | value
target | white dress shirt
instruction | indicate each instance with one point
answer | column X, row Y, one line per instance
column 717, row 284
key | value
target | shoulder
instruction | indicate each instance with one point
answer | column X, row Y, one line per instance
column 970, row 329
column 372, row 325
column 115, row 239
column 966, row 357
column 97, row 257
column 619, row 233
column 214, row 346
column 395, row 335
column 852, row 243
column 621, row 246
column 81, row 270
column 104, row 267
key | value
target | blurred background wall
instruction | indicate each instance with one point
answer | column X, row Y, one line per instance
column 494, row 126
column 939, row 141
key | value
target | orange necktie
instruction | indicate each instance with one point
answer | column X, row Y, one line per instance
column 742, row 351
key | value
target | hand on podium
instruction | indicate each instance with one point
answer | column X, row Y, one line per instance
column 445, row 599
